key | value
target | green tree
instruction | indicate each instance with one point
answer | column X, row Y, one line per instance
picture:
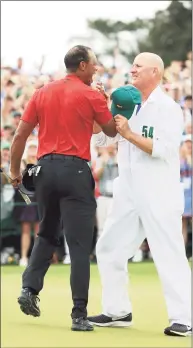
column 168, row 34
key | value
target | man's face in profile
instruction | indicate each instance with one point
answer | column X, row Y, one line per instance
column 90, row 68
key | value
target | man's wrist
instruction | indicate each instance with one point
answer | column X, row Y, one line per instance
column 15, row 171
column 129, row 135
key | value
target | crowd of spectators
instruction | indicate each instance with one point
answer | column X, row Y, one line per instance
column 17, row 87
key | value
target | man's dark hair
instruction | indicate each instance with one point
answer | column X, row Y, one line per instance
column 188, row 97
column 76, row 55
column 10, row 83
column 8, row 98
column 7, row 127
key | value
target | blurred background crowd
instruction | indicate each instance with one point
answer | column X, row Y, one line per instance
column 19, row 223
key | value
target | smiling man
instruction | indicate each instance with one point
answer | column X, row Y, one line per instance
column 65, row 111
column 147, row 67
column 147, row 201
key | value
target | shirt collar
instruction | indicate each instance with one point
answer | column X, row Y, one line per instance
column 154, row 94
column 73, row 77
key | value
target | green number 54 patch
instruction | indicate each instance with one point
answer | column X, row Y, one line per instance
column 147, row 132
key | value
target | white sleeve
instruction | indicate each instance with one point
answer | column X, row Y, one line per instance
column 101, row 139
column 167, row 137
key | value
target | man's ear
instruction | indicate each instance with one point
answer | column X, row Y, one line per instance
column 82, row 66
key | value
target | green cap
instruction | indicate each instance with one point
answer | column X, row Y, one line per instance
column 124, row 100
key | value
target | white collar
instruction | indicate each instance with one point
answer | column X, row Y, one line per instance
column 151, row 99
column 153, row 96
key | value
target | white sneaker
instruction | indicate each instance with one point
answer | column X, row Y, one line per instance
column 23, row 262
column 67, row 260
column 138, row 257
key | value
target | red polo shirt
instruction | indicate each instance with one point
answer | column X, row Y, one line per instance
column 65, row 111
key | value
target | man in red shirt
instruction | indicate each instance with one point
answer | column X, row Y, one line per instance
column 65, row 111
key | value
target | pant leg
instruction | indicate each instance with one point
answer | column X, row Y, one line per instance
column 39, row 262
column 78, row 212
column 119, row 241
column 103, row 206
column 49, row 230
column 163, row 228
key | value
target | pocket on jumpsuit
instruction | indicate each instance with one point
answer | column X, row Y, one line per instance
column 176, row 199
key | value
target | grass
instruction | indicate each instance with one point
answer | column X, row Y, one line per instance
column 52, row 329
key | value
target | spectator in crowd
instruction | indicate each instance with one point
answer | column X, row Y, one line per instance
column 186, row 179
column 5, row 157
column 106, row 170
column 27, row 215
column 7, row 108
column 186, row 105
column 177, row 79
column 9, row 88
column 185, row 75
column 8, row 132
column 16, row 119
column 98, row 151
column 188, row 128
column 7, row 192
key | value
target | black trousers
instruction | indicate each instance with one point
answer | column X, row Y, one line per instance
column 64, row 191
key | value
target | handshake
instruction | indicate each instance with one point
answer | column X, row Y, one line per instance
column 124, row 99
column 122, row 126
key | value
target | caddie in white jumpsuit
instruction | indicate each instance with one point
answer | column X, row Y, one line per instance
column 148, row 203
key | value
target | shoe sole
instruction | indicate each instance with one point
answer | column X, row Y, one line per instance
column 179, row 334
column 27, row 308
column 78, row 329
column 113, row 324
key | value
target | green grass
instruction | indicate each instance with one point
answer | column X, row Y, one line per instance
column 52, row 329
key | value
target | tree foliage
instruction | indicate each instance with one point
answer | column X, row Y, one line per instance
column 168, row 34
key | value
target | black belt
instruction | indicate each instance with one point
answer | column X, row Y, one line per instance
column 62, row 157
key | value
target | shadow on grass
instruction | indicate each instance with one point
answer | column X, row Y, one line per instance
column 41, row 325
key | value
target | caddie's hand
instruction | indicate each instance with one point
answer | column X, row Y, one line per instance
column 122, row 126
column 15, row 179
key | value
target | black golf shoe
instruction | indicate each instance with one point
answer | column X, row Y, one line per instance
column 81, row 324
column 29, row 303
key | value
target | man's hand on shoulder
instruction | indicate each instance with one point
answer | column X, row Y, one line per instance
column 100, row 88
column 102, row 115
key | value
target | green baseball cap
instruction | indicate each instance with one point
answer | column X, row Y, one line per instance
column 124, row 100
